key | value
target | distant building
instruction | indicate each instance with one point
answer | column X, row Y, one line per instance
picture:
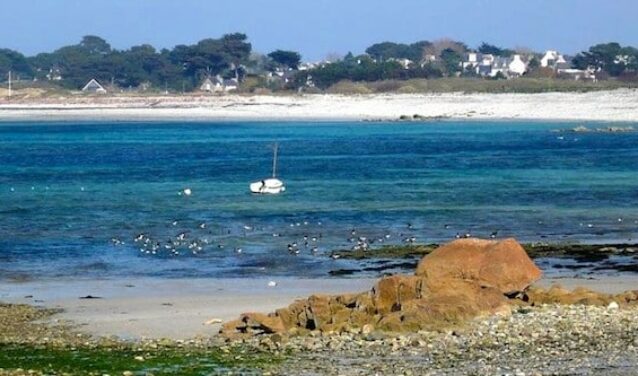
column 208, row 86
column 219, row 85
column 405, row 63
column 517, row 66
column 551, row 58
column 94, row 87
column 54, row 74
column 488, row 65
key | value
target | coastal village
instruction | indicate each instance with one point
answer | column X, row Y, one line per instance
column 228, row 65
column 474, row 63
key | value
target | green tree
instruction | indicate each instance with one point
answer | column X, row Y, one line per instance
column 15, row 62
column 534, row 63
column 486, row 48
column 288, row 59
column 609, row 57
column 94, row 45
column 451, row 61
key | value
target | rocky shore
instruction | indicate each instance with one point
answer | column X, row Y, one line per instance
column 469, row 309
column 544, row 340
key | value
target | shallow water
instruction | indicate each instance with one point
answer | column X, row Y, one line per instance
column 67, row 189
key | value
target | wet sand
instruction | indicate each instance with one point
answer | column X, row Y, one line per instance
column 180, row 308
column 166, row 308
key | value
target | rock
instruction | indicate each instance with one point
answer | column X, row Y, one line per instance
column 450, row 303
column 391, row 292
column 266, row 324
column 503, row 265
column 613, row 306
column 367, row 329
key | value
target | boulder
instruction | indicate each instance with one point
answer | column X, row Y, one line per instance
column 503, row 265
column 458, row 281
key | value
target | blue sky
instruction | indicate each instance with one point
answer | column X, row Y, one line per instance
column 319, row 27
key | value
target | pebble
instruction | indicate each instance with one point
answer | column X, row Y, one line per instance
column 543, row 340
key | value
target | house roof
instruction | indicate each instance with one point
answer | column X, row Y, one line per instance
column 93, row 85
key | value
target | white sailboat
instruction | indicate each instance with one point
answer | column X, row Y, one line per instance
column 270, row 185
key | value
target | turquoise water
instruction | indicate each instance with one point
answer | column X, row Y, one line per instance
column 74, row 196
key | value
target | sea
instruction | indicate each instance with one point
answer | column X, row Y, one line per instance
column 108, row 199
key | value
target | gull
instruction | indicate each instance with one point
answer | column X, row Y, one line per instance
column 238, row 250
column 203, row 225
column 187, row 191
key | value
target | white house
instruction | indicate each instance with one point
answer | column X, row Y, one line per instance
column 219, row 85
column 551, row 58
column 517, row 66
column 471, row 61
column 209, row 86
column 94, row 87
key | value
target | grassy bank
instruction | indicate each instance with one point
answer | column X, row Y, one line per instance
column 478, row 85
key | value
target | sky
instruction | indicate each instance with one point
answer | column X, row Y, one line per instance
column 317, row 28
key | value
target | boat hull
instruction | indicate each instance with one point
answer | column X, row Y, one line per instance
column 267, row 186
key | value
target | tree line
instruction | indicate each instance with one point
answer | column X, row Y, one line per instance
column 383, row 61
column 185, row 66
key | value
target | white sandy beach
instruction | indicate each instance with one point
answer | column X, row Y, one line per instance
column 618, row 105
column 179, row 308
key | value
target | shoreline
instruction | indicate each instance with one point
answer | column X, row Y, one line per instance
column 605, row 106
column 141, row 308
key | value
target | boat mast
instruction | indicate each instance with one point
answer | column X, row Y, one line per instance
column 274, row 162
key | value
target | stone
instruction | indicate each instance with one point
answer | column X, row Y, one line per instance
column 501, row 264
column 450, row 303
column 390, row 293
column 267, row 324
